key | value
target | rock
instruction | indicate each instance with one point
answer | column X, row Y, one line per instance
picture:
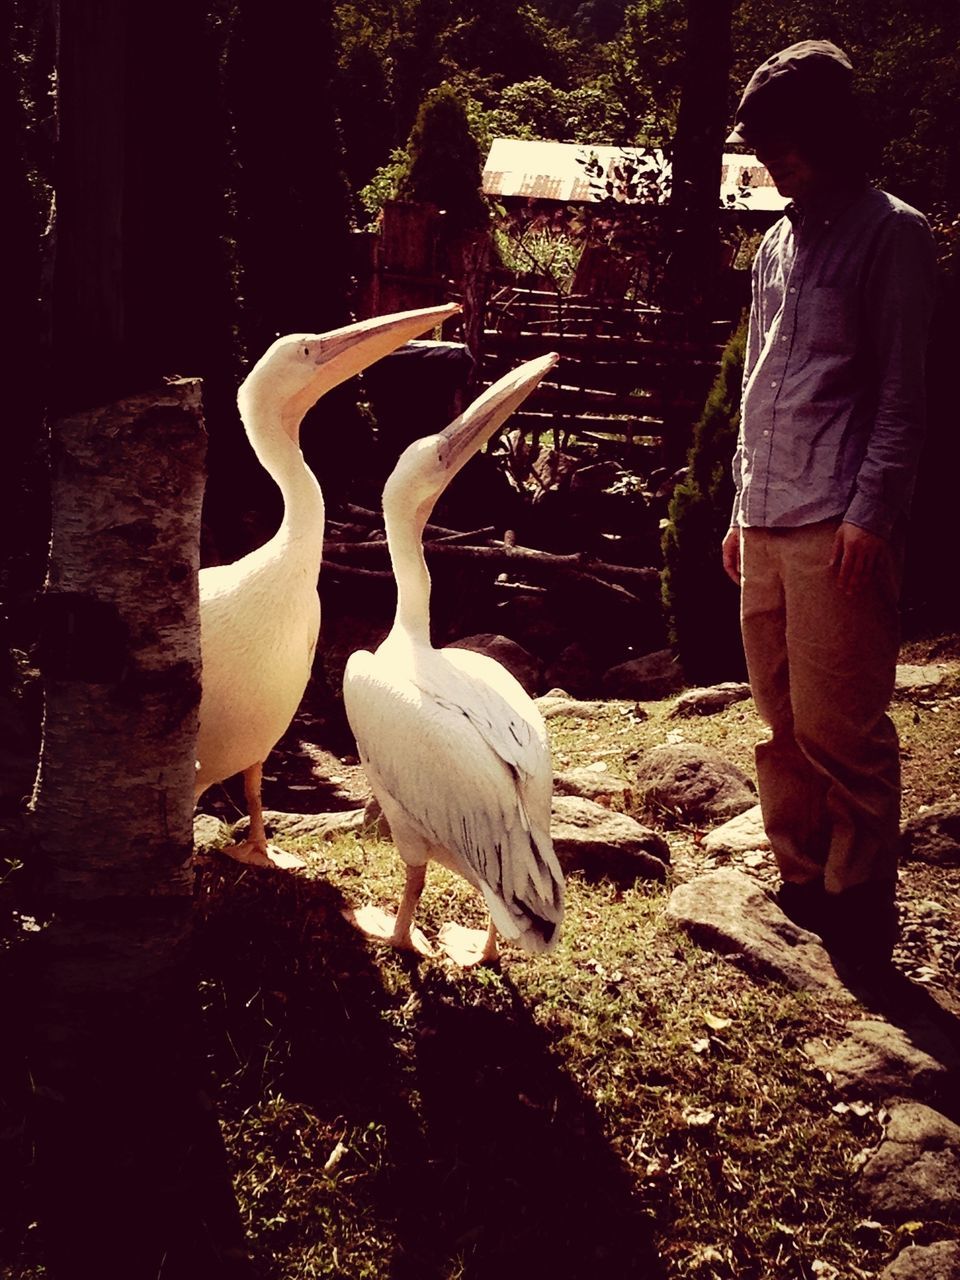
column 940, row 1261
column 878, row 1060
column 915, row 1172
column 573, row 669
column 375, row 821
column 728, row 911
column 694, row 782
column 593, row 840
column 312, row 826
column 741, row 834
column 656, row 675
column 934, row 836
column 523, row 666
column 208, row 831
column 918, row 679
column 599, row 785
column 707, row 702
column 557, row 703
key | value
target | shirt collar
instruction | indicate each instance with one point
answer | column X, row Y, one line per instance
column 824, row 208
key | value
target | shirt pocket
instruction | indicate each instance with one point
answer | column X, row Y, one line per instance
column 830, row 320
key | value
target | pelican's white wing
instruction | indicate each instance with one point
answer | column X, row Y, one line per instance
column 452, row 743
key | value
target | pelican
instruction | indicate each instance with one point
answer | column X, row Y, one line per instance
column 454, row 749
column 260, row 616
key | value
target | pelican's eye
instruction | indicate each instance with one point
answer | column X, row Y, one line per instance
column 305, row 351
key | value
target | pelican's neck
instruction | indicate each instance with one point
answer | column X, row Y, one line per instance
column 404, row 528
column 275, row 441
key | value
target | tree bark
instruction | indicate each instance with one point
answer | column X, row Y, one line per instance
column 132, row 1177
column 698, row 156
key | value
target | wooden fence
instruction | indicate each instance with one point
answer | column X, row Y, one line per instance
column 627, row 372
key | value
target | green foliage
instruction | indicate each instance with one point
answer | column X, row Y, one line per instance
column 700, row 601
column 444, row 162
column 539, row 249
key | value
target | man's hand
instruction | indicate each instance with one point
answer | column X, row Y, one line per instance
column 857, row 556
column 731, row 553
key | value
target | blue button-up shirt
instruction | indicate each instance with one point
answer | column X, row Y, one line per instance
column 833, row 395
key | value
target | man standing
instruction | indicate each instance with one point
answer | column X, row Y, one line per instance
column 831, row 427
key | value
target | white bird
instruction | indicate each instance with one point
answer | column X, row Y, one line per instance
column 454, row 749
column 260, row 616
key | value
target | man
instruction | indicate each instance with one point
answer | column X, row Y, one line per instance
column 831, row 426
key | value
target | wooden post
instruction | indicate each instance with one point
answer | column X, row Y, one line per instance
column 132, row 1176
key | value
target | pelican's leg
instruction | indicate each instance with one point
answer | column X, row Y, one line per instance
column 470, row 946
column 255, row 851
column 412, row 889
column 398, row 930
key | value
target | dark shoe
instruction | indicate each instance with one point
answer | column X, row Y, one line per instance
column 805, row 904
column 863, row 924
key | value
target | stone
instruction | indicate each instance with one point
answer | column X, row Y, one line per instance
column 590, row 839
column 915, row 1172
column 918, row 679
column 939, row 1261
column 693, row 782
column 730, row 912
column 208, row 831
column 934, row 836
column 742, row 834
column 309, row 826
column 707, row 702
column 375, row 820
column 558, row 703
column 655, row 675
column 599, row 785
column 881, row 1061
column 523, row 666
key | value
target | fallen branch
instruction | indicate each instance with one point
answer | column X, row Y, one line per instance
column 502, row 557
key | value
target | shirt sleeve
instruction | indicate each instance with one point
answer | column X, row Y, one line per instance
column 898, row 304
column 751, row 356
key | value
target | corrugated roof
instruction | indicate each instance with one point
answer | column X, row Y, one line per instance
column 557, row 171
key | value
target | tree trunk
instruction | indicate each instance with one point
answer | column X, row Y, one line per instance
column 132, row 1177
column 698, row 156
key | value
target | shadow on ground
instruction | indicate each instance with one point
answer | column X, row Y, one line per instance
column 495, row 1163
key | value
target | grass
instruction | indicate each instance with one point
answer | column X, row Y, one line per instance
column 631, row 1105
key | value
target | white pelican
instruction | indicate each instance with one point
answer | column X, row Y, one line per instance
column 260, row 616
column 454, row 749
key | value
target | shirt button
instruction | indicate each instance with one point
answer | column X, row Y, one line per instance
column 774, row 383
column 766, row 433
column 793, row 288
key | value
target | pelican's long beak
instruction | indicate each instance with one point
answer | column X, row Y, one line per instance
column 468, row 433
column 343, row 352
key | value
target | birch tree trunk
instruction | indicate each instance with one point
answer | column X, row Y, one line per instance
column 132, row 1174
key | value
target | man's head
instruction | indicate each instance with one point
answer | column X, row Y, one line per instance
column 799, row 115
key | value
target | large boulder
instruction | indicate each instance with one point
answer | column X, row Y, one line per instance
column 938, row 1261
column 877, row 1060
column 593, row 840
column 915, row 1172
column 730, row 912
column 692, row 782
column 655, row 675
column 523, row 666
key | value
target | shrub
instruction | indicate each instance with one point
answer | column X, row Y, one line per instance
column 701, row 603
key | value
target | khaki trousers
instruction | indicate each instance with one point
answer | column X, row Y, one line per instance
column 822, row 667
